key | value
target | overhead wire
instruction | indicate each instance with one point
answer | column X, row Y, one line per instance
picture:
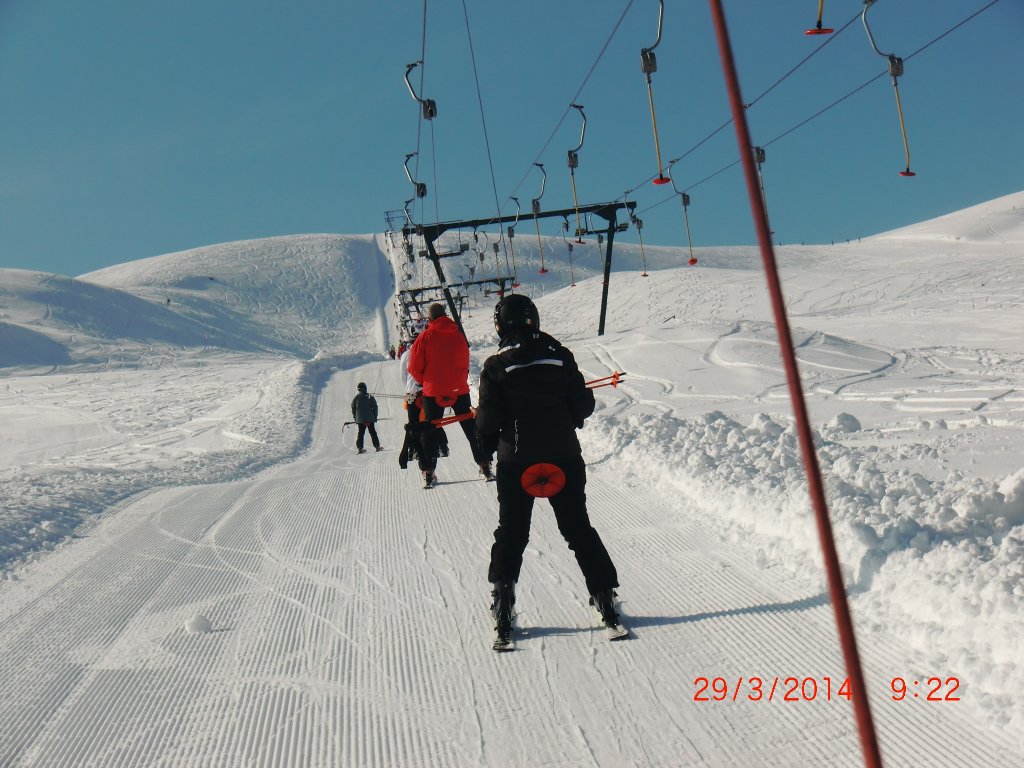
column 764, row 93
column 487, row 141
column 575, row 97
column 419, row 133
column 816, row 115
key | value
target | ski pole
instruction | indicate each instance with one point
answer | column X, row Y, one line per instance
column 608, row 381
column 446, row 420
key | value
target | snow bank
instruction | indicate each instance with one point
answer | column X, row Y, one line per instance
column 928, row 557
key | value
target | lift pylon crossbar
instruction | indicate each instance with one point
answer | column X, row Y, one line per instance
column 607, row 211
column 431, row 232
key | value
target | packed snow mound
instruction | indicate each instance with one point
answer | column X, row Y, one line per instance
column 300, row 294
column 55, row 320
column 296, row 296
column 999, row 221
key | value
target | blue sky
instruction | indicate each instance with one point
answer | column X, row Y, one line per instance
column 133, row 129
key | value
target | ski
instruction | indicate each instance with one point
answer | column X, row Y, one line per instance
column 617, row 632
column 503, row 641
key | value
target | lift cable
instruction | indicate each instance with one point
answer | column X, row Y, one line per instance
column 487, row 141
column 576, row 96
column 817, row 114
column 764, row 93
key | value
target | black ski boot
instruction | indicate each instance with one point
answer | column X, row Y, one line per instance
column 503, row 601
column 604, row 603
column 485, row 470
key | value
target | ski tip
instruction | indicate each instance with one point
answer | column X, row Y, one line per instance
column 504, row 647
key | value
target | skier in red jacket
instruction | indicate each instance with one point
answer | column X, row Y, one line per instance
column 439, row 361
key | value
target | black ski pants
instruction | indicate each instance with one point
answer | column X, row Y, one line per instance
column 430, row 439
column 515, row 510
column 413, row 433
column 364, row 427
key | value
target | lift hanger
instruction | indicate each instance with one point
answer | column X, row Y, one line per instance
column 649, row 65
column 895, row 70
column 429, row 105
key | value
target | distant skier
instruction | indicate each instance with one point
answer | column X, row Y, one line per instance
column 364, row 413
column 391, row 352
column 439, row 361
column 532, row 400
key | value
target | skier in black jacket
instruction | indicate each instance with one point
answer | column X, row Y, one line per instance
column 532, row 400
column 364, row 413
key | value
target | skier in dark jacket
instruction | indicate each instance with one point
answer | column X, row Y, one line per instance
column 532, row 400
column 364, row 413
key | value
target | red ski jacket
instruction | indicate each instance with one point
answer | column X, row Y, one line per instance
column 439, row 360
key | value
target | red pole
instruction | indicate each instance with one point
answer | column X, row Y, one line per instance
column 816, row 488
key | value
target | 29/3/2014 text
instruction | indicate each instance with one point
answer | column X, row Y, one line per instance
column 754, row 688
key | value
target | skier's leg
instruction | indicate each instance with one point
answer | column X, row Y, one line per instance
column 464, row 405
column 373, row 435
column 570, row 506
column 359, row 436
column 515, row 509
column 428, row 440
column 415, row 448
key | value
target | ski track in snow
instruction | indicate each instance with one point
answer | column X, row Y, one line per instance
column 353, row 632
column 349, row 609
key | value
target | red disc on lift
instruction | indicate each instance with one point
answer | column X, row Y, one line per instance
column 821, row 31
column 661, row 180
column 907, row 172
column 542, row 272
column 543, row 480
column 692, row 261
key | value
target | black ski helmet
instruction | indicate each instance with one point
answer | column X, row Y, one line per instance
column 361, row 386
column 515, row 313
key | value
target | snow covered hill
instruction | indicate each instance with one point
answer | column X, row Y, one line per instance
column 176, row 421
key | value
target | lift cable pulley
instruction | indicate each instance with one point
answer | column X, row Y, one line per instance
column 895, row 71
column 574, row 163
column 649, row 65
column 429, row 105
column 685, row 199
column 535, row 204
column 818, row 29
column 420, row 187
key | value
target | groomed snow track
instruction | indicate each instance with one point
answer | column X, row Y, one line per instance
column 350, row 628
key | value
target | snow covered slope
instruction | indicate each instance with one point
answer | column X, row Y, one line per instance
column 346, row 608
